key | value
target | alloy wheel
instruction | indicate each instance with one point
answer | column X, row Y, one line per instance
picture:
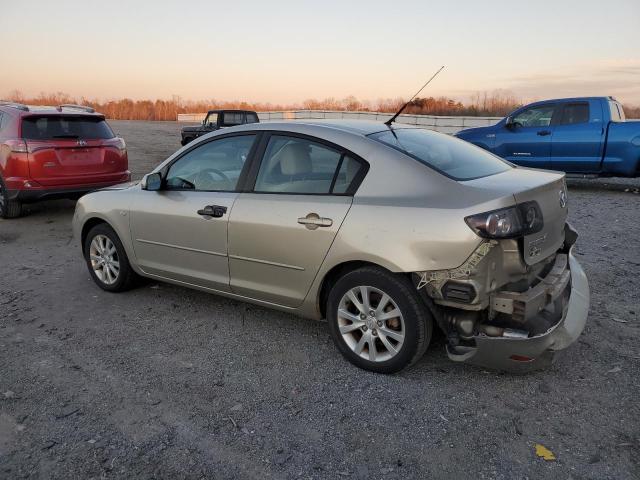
column 371, row 323
column 104, row 259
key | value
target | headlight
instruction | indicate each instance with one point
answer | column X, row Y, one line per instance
column 523, row 219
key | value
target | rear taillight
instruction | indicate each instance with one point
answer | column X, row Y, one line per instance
column 17, row 146
column 523, row 219
column 116, row 142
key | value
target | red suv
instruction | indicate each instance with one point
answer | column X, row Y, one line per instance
column 55, row 152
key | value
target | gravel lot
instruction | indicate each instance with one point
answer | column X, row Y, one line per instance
column 165, row 382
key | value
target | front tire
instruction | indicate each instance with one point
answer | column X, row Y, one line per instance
column 107, row 260
column 378, row 321
column 8, row 208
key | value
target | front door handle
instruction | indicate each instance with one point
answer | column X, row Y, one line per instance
column 215, row 211
column 313, row 221
column 544, row 133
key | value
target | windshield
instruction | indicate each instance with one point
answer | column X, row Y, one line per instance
column 450, row 156
column 60, row 126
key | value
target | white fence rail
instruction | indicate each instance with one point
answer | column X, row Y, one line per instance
column 431, row 122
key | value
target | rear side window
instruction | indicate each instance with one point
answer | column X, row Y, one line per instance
column 59, row 126
column 252, row 118
column 298, row 165
column 450, row 156
column 573, row 113
column 229, row 119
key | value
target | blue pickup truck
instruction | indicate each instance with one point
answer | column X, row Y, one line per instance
column 585, row 136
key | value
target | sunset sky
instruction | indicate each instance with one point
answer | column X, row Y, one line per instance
column 288, row 51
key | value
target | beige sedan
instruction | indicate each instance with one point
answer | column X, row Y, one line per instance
column 384, row 231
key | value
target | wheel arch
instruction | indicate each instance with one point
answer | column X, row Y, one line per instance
column 334, row 273
column 88, row 225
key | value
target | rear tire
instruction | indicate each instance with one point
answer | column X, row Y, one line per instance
column 378, row 321
column 107, row 260
column 8, row 208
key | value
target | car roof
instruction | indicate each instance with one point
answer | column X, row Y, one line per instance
column 570, row 99
column 230, row 110
column 357, row 127
column 26, row 110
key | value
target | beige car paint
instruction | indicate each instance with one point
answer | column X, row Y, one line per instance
column 404, row 217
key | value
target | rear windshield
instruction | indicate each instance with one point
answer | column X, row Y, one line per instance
column 450, row 156
column 60, row 126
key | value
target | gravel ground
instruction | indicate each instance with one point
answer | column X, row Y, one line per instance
column 165, row 382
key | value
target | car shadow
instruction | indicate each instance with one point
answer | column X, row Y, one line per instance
column 53, row 209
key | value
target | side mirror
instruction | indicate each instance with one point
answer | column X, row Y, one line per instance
column 152, row 182
column 509, row 123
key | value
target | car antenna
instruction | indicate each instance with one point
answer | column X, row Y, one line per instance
column 392, row 119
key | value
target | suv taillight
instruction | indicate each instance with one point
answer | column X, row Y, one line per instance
column 17, row 146
column 116, row 142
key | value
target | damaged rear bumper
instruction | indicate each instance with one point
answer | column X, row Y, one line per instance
column 567, row 286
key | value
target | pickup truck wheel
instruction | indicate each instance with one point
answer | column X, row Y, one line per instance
column 8, row 208
column 378, row 321
column 107, row 260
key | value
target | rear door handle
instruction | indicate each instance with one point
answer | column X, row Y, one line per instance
column 544, row 133
column 313, row 221
column 215, row 211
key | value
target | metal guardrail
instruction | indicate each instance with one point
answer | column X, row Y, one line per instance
column 448, row 124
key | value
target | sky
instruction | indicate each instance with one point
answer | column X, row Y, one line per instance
column 288, row 51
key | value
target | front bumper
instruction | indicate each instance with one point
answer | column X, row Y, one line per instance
column 524, row 354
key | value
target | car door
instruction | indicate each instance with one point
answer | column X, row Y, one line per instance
column 180, row 231
column 578, row 137
column 526, row 140
column 281, row 231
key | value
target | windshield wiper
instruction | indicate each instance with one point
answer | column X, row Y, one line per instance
column 69, row 135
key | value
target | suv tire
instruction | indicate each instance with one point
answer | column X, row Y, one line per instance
column 8, row 208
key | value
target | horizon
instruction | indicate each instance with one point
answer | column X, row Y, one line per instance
column 254, row 53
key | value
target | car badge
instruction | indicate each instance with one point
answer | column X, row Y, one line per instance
column 82, row 143
column 563, row 198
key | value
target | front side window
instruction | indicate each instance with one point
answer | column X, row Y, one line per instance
column 60, row 127
column 298, row 165
column 450, row 156
column 212, row 119
column 229, row 119
column 212, row 166
column 535, row 116
column 573, row 113
column 252, row 117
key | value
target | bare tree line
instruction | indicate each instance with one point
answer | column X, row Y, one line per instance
column 490, row 104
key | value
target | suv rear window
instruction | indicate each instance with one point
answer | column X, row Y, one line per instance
column 450, row 156
column 60, row 126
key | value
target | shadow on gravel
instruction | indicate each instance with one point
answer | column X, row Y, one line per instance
column 626, row 185
column 51, row 208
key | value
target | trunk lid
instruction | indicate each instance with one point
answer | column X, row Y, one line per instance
column 548, row 189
